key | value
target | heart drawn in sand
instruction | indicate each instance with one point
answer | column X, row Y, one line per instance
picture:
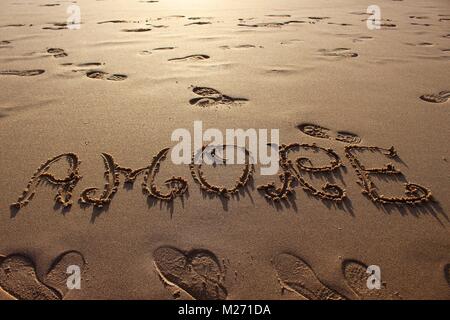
column 197, row 272
column 18, row 277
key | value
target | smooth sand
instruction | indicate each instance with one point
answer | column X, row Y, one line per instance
column 293, row 69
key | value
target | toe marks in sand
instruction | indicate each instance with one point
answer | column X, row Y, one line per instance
column 212, row 97
column 198, row 272
column 317, row 131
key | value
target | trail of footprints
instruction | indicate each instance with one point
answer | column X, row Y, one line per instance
column 197, row 273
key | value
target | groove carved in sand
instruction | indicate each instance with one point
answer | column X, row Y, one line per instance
column 177, row 185
column 64, row 185
column 415, row 193
column 290, row 177
column 329, row 191
column 199, row 176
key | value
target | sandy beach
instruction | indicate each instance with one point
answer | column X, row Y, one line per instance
column 93, row 91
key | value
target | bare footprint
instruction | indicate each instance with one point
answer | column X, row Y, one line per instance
column 296, row 275
column 314, row 130
column 193, row 57
column 339, row 52
column 440, row 97
column 57, row 52
column 113, row 21
column 137, row 30
column 197, row 272
column 96, row 74
column 198, row 23
column 19, row 279
column 57, row 26
column 22, row 73
column 241, row 46
column 317, row 131
column 355, row 273
column 362, row 38
column 164, row 48
column 212, row 97
column 347, row 137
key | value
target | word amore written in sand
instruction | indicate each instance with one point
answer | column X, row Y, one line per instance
column 291, row 176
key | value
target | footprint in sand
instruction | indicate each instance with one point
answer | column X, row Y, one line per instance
column 212, row 97
column 421, row 44
column 198, row 23
column 22, row 73
column 339, row 52
column 356, row 276
column 193, row 57
column 95, row 74
column 362, row 38
column 296, row 275
column 114, row 21
column 440, row 97
column 420, row 24
column 57, row 52
column 19, row 279
column 137, row 30
column 317, row 131
column 197, row 272
column 270, row 24
column 241, row 46
column 57, row 26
